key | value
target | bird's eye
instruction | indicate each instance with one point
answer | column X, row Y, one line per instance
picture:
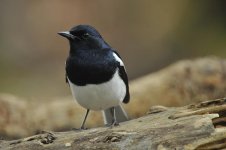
column 80, row 34
column 85, row 35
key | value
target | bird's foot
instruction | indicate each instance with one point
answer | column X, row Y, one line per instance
column 114, row 124
column 79, row 129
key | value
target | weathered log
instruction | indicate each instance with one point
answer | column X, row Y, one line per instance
column 197, row 126
column 180, row 84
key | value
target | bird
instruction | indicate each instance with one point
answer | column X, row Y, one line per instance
column 96, row 74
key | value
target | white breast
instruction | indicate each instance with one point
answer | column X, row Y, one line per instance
column 100, row 96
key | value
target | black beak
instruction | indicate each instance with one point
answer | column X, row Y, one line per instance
column 66, row 34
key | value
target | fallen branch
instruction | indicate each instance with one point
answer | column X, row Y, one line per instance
column 197, row 126
column 180, row 84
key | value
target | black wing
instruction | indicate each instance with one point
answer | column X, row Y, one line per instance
column 123, row 75
column 66, row 78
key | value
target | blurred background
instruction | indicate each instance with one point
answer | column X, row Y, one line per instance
column 149, row 35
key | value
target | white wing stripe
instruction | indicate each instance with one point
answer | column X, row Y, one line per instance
column 118, row 59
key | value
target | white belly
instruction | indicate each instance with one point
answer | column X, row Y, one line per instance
column 100, row 96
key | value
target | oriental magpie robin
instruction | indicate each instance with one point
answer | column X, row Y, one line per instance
column 96, row 74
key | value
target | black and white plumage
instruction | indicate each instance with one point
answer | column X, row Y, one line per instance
column 95, row 72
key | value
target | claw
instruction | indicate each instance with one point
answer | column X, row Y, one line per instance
column 79, row 129
column 114, row 124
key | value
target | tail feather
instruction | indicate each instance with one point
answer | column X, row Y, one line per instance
column 121, row 115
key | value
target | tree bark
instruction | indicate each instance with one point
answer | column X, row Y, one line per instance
column 179, row 84
column 198, row 126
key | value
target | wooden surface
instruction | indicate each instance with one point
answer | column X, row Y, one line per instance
column 180, row 84
column 197, row 126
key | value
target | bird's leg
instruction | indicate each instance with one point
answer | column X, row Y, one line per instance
column 83, row 123
column 114, row 121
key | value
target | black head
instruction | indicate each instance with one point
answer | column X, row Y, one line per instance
column 84, row 37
